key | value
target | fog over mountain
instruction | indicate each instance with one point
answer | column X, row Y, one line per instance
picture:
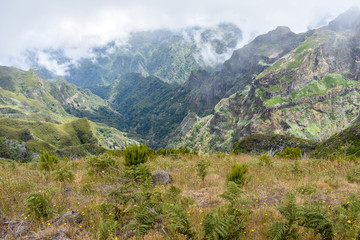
column 77, row 27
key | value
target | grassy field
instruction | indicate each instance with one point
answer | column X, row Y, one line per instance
column 109, row 200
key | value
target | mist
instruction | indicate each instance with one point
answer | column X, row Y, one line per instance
column 76, row 27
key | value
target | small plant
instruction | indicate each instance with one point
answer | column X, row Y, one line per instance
column 139, row 173
column 106, row 228
column 353, row 175
column 99, row 164
column 265, row 160
column 295, row 167
column 64, row 175
column 307, row 189
column 135, row 155
column 227, row 221
column 47, row 161
column 237, row 174
column 202, row 168
column 38, row 204
column 290, row 153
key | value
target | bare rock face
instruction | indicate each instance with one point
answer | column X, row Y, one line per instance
column 69, row 217
column 61, row 235
column 17, row 228
column 161, row 178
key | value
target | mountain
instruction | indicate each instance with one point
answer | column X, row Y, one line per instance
column 168, row 55
column 311, row 92
column 46, row 112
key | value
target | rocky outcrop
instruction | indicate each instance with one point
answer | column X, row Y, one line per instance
column 161, row 178
column 71, row 217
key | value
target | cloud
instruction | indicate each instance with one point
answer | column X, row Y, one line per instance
column 77, row 26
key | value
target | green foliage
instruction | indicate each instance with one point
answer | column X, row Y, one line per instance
column 290, row 153
column 202, row 168
column 106, row 228
column 177, row 220
column 25, row 135
column 101, row 163
column 295, row 167
column 139, row 173
column 307, row 189
column 237, row 174
column 353, row 175
column 265, row 159
column 38, row 204
column 135, row 155
column 347, row 215
column 273, row 101
column 260, row 143
column 227, row 222
column 12, row 149
column 217, row 226
column 64, row 175
column 144, row 219
column 47, row 161
column 297, row 216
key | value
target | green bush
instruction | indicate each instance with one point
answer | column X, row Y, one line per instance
column 135, row 155
column 38, row 204
column 139, row 173
column 353, row 175
column 290, row 153
column 100, row 163
column 265, row 160
column 237, row 174
column 47, row 161
column 64, row 175
column 202, row 168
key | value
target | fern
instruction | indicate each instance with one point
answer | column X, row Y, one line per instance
column 299, row 216
column 217, row 226
column 279, row 231
column 178, row 221
column 144, row 220
column 319, row 223
column 229, row 220
column 233, row 193
column 289, row 209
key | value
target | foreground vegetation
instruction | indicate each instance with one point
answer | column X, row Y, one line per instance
column 214, row 196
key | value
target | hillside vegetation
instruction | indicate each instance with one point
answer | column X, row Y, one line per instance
column 277, row 198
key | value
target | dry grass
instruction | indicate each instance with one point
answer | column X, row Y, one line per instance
column 313, row 180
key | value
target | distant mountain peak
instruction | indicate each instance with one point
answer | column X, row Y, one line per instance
column 282, row 30
column 347, row 20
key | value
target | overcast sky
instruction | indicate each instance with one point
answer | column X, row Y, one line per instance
column 77, row 25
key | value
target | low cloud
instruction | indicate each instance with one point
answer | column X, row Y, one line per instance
column 78, row 26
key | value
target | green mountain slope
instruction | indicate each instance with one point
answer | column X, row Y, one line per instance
column 312, row 92
column 46, row 110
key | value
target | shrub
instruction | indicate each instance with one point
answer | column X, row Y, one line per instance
column 202, row 168
column 64, row 175
column 353, row 175
column 290, row 153
column 265, row 160
column 135, row 155
column 47, row 161
column 139, row 173
column 295, row 167
column 100, row 163
column 38, row 204
column 237, row 174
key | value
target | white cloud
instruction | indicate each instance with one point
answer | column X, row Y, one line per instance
column 76, row 26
